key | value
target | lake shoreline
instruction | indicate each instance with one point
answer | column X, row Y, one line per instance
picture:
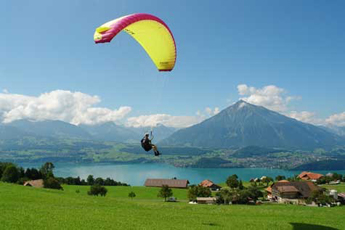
column 136, row 174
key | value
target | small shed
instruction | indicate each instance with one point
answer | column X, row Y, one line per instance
column 206, row 200
column 172, row 183
column 35, row 183
column 209, row 184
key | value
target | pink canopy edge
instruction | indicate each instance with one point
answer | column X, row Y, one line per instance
column 108, row 35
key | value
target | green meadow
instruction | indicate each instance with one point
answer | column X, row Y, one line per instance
column 31, row 208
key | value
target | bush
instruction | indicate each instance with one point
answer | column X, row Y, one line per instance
column 96, row 190
column 132, row 195
column 52, row 183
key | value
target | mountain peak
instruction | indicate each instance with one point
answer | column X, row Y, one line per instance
column 240, row 104
column 244, row 124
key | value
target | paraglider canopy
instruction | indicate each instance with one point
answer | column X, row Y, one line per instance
column 149, row 31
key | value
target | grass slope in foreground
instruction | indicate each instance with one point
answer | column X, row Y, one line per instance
column 25, row 207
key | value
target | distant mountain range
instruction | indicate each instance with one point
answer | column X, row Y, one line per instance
column 244, row 124
column 240, row 125
column 59, row 129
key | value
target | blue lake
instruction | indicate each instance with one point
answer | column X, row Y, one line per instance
column 136, row 174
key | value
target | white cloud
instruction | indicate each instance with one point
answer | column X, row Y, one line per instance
column 73, row 107
column 306, row 116
column 165, row 119
column 171, row 121
column 271, row 97
column 336, row 119
column 211, row 112
column 5, row 91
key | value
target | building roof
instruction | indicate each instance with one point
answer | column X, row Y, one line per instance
column 35, row 183
column 205, row 198
column 305, row 188
column 288, row 188
column 208, row 184
column 310, row 176
column 282, row 181
column 269, row 189
column 172, row 183
column 342, row 195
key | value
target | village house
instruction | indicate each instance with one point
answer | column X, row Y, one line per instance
column 295, row 192
column 310, row 176
column 172, row 183
column 35, row 183
column 209, row 184
column 269, row 189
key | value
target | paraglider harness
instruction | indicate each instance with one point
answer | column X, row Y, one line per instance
column 146, row 143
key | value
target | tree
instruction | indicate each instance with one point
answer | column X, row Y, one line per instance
column 165, row 192
column 47, row 170
column 97, row 189
column 3, row 166
column 320, row 198
column 232, row 181
column 324, row 180
column 90, row 180
column 280, row 177
column 240, row 185
column 99, row 181
column 254, row 193
column 198, row 191
column 10, row 174
column 337, row 176
column 52, row 183
column 267, row 180
column 225, row 196
column 33, row 174
column 131, row 195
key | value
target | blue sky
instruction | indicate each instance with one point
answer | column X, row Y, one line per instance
column 297, row 46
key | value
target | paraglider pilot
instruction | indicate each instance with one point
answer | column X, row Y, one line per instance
column 147, row 145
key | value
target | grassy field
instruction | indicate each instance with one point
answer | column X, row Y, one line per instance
column 30, row 208
column 339, row 187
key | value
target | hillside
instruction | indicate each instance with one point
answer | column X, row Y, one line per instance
column 21, row 207
column 244, row 124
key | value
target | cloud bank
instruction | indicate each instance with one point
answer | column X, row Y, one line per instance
column 72, row 107
column 171, row 121
column 270, row 96
column 80, row 108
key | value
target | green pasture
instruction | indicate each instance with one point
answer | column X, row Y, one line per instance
column 30, row 208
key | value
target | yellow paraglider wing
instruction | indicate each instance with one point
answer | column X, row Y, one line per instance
column 149, row 31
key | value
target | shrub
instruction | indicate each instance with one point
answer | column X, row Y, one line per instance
column 52, row 183
column 132, row 195
column 96, row 190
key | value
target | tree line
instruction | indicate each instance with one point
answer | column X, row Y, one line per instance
column 11, row 173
